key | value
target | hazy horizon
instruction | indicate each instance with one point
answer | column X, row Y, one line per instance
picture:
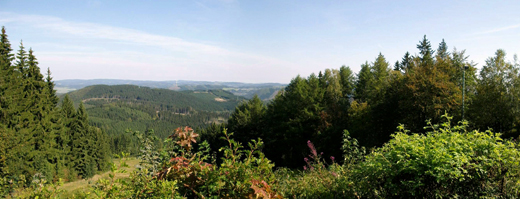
column 186, row 80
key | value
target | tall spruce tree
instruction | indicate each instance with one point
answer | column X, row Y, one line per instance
column 426, row 52
column 406, row 62
column 51, row 92
column 6, row 134
column 442, row 51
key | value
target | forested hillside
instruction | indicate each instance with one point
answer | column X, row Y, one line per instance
column 171, row 100
column 120, row 107
column 38, row 138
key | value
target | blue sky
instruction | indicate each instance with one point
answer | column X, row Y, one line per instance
column 247, row 41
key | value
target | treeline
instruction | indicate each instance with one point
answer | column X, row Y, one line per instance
column 371, row 103
column 36, row 136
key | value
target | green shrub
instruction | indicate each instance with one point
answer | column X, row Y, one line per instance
column 444, row 163
column 319, row 179
column 242, row 173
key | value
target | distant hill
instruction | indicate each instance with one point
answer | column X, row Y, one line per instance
column 211, row 100
column 264, row 90
column 119, row 107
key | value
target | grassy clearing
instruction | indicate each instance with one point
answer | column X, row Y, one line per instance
column 79, row 186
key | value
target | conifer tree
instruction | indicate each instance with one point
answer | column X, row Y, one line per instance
column 442, row 51
column 294, row 118
column 67, row 108
column 347, row 81
column 5, row 50
column 426, row 52
column 7, row 86
column 362, row 83
column 397, row 66
column 6, row 94
column 21, row 61
column 406, row 62
column 380, row 79
column 53, row 98
column 82, row 144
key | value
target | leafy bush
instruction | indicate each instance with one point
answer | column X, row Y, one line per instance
column 242, row 173
column 319, row 179
column 443, row 163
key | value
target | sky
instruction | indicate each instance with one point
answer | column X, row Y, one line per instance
column 247, row 41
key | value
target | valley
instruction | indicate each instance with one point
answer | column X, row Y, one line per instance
column 117, row 108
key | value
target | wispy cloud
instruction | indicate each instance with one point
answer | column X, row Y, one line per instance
column 177, row 55
column 495, row 30
column 99, row 31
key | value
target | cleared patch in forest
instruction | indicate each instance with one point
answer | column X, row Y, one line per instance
column 80, row 186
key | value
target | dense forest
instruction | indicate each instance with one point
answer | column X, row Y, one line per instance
column 330, row 135
column 120, row 107
column 381, row 96
column 37, row 136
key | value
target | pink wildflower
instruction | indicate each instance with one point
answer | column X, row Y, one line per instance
column 313, row 150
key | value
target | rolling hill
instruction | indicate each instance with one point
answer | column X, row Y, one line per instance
column 211, row 100
column 119, row 107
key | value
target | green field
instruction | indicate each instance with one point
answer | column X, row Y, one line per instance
column 62, row 90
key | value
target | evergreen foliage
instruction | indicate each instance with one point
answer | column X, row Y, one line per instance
column 37, row 138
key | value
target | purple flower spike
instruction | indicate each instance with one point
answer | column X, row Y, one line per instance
column 305, row 159
column 332, row 158
column 304, row 168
